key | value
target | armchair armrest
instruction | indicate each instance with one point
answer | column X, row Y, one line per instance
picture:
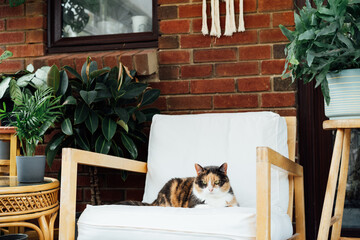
column 265, row 157
column 70, row 160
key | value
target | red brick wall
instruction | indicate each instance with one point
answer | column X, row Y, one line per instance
column 196, row 73
column 240, row 73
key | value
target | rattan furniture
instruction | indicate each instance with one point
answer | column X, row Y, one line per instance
column 338, row 174
column 9, row 165
column 20, row 202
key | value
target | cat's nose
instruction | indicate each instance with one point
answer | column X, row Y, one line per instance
column 211, row 189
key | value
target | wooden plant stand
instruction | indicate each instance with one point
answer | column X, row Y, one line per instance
column 9, row 165
column 339, row 162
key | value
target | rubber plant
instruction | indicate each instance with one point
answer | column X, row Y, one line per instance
column 103, row 112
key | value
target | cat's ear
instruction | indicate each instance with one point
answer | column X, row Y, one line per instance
column 223, row 168
column 199, row 169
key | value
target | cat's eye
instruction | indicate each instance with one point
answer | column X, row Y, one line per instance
column 217, row 182
column 204, row 182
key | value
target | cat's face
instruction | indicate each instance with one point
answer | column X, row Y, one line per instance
column 212, row 180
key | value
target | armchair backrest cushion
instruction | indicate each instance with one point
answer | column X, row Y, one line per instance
column 177, row 142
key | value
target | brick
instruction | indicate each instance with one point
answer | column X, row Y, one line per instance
column 190, row 11
column 193, row 71
column 80, row 59
column 189, row 102
column 272, row 66
column 37, row 62
column 235, row 101
column 169, row 72
column 111, row 194
column 30, row 50
column 195, row 41
column 12, row 37
column 286, row 112
column 278, row 100
column 271, row 35
column 257, row 21
column 2, row 25
column 284, row 84
column 254, row 84
column 237, row 69
column 146, row 62
column 171, row 57
column 255, row 52
column 167, row 42
column 279, row 51
column 174, row 26
column 83, row 181
column 68, row 61
column 127, row 58
column 249, row 5
column 7, row 11
column 284, row 18
column 167, row 12
column 171, row 87
column 172, row 1
column 112, row 60
column 197, row 24
column 132, row 181
column 215, row 55
column 35, row 8
column 134, row 194
column 213, row 86
column 238, row 38
column 271, row 5
column 36, row 36
column 40, row 149
column 160, row 104
column 26, row 23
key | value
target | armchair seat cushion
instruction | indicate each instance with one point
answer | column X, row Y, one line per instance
column 160, row 223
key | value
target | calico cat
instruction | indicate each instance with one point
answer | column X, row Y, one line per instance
column 210, row 188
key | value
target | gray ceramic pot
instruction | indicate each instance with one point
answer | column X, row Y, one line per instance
column 30, row 169
column 4, row 150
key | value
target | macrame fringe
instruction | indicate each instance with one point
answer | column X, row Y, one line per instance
column 215, row 21
column 204, row 28
column 241, row 17
column 230, row 25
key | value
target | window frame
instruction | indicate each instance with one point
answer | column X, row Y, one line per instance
column 58, row 44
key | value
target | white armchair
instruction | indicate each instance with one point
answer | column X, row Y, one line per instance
column 260, row 151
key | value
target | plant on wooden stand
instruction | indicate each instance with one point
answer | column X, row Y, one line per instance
column 103, row 112
column 326, row 39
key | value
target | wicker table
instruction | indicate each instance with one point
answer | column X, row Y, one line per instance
column 20, row 202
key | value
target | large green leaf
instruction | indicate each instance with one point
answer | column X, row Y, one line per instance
column 73, row 72
column 53, row 147
column 102, row 145
column 70, row 100
column 108, row 128
column 66, row 127
column 134, row 90
column 24, row 80
column 82, row 141
column 287, row 33
column 4, row 85
column 140, row 117
column 53, row 78
column 92, row 122
column 64, row 82
column 309, row 34
column 150, row 96
column 6, row 54
column 98, row 73
column 81, row 113
column 123, row 125
column 88, row 96
column 122, row 113
column 129, row 145
column 15, row 92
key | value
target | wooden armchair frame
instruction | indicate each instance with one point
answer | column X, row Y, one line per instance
column 265, row 158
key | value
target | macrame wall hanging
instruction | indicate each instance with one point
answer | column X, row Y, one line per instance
column 230, row 25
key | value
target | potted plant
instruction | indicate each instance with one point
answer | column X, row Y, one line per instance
column 325, row 46
column 32, row 115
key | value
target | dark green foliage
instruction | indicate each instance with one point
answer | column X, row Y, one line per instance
column 32, row 115
column 103, row 111
column 326, row 38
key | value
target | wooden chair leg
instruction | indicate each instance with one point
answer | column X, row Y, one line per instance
column 300, row 207
column 325, row 222
column 340, row 198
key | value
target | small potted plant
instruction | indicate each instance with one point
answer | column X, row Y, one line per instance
column 32, row 115
column 325, row 46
